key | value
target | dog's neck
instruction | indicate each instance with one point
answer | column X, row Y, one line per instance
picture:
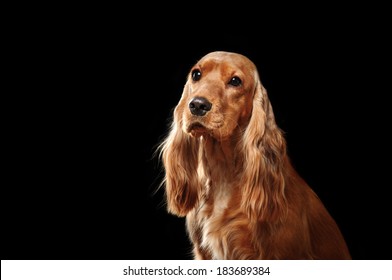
column 220, row 159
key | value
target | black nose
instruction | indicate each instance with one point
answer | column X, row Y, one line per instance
column 199, row 106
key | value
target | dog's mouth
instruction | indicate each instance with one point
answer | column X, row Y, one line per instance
column 196, row 127
column 214, row 130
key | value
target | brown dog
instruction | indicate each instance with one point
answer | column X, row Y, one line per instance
column 227, row 171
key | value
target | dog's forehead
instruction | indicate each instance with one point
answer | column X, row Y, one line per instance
column 221, row 59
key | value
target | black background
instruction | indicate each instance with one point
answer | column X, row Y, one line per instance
column 92, row 95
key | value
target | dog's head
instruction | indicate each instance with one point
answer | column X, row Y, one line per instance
column 218, row 95
column 223, row 101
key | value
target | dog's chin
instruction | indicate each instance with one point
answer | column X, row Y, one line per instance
column 197, row 129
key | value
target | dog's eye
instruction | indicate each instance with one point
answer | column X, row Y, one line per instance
column 196, row 75
column 235, row 81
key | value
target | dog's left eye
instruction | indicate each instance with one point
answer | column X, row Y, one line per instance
column 235, row 81
column 196, row 75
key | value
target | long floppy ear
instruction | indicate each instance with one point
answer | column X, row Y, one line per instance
column 264, row 148
column 179, row 154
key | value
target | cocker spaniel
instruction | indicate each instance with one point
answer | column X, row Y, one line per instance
column 227, row 170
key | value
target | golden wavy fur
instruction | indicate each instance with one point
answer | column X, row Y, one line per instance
column 227, row 170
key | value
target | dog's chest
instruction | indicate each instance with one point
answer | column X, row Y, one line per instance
column 211, row 220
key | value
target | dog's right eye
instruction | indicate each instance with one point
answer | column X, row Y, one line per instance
column 235, row 81
column 196, row 75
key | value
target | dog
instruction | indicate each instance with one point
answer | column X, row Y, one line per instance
column 226, row 169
